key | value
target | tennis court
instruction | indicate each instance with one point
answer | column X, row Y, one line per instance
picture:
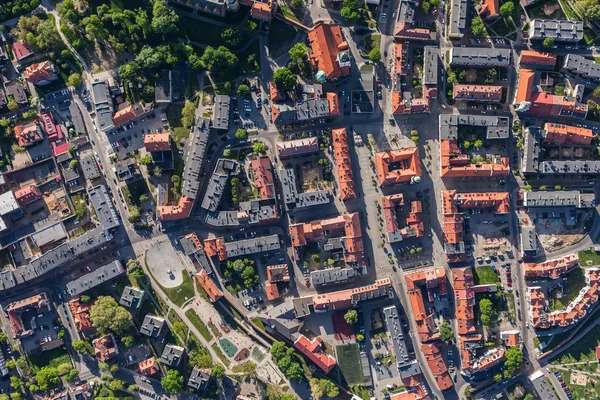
column 349, row 362
column 229, row 348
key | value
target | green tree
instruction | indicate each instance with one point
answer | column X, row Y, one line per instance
column 73, row 164
column 488, row 313
column 259, row 147
column 187, row 114
column 72, row 374
column 47, row 377
column 243, row 90
column 172, row 382
column 446, row 332
column 514, row 359
column 220, row 61
column 144, row 198
column 351, row 316
column 548, row 42
column 528, row 396
column 297, row 3
column 478, row 144
column 507, row 9
column 157, row 171
column 82, row 346
column 63, row 368
column 146, row 160
column 107, row 315
column 597, row 91
column 477, row 26
column 497, row 377
column 284, row 79
column 315, row 258
column 528, row 188
column 12, row 104
column 375, row 55
column 278, row 350
column 3, row 337
column 128, row 340
column 241, row 134
column 543, row 187
column 115, row 384
column 74, row 80
column 231, row 37
column 350, row 10
column 16, row 382
column 164, row 19
column 217, row 371
column 298, row 51
column 227, row 153
column 85, row 299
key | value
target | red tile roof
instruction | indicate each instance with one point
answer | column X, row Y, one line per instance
column 435, row 362
column 21, row 50
column 343, row 164
column 27, row 134
column 208, row 285
column 81, row 315
column 552, row 268
column 559, row 134
column 27, row 194
column 271, row 291
column 456, row 164
column 398, row 166
column 334, row 103
column 53, row 132
column 123, row 116
column 148, row 367
column 326, row 42
column 535, row 57
column 262, row 173
column 477, row 92
column 157, row 142
column 490, row 8
column 313, row 351
column 105, row 347
column 525, row 85
column 173, row 213
column 44, row 71
column 278, row 273
column 413, row 226
column 263, row 11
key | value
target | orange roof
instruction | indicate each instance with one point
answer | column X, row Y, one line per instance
column 403, row 30
column 477, row 92
column 105, row 347
column 392, row 207
column 262, row 10
column 511, row 338
column 275, row 94
column 180, row 211
column 341, row 153
column 148, row 367
column 535, row 57
column 436, row 364
column 397, row 103
column 490, row 8
column 347, row 298
column 434, row 280
column 210, row 247
column 559, row 134
column 21, row 50
column 401, row 59
column 499, row 200
column 398, row 166
column 325, row 41
column 44, row 71
column 525, row 85
column 313, row 351
column 262, row 174
column 334, row 103
column 27, row 194
column 157, row 141
column 208, row 285
column 27, row 134
column 123, row 116
column 552, row 268
column 195, row 240
column 271, row 291
column 456, row 164
column 81, row 315
column 278, row 273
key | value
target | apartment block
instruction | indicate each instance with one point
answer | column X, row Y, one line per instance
column 559, row 30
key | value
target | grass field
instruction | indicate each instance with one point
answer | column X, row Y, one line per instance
column 575, row 282
column 588, row 258
column 485, row 275
column 181, row 293
column 582, row 350
column 51, row 358
column 195, row 319
column 216, row 332
column 179, row 327
column 349, row 362
column 217, row 349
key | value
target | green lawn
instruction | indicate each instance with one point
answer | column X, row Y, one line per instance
column 502, row 26
column 588, row 258
column 258, row 322
column 51, row 358
column 217, row 349
column 589, row 36
column 178, row 326
column 485, row 275
column 582, row 350
column 510, row 299
column 181, row 293
column 575, row 282
column 214, row 329
column 350, row 365
column 195, row 319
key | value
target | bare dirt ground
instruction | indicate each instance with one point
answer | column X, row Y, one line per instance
column 100, row 58
column 554, row 234
column 550, row 8
column 579, row 379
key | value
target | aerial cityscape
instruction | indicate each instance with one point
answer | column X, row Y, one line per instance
column 299, row 199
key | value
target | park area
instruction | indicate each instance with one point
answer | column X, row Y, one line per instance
column 485, row 275
column 350, row 365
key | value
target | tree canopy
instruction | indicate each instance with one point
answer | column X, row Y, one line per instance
column 351, row 317
column 219, row 61
column 298, row 51
column 284, row 79
column 172, row 382
column 107, row 315
column 548, row 42
column 514, row 359
column 507, row 9
column 477, row 26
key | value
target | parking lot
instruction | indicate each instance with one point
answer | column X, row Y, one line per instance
column 130, row 137
column 252, row 112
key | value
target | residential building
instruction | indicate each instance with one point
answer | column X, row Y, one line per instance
column 298, row 147
column 209, row 286
column 103, row 106
column 127, row 170
column 104, row 208
column 214, row 7
column 343, row 163
column 329, row 51
column 162, row 87
column 553, row 269
column 543, row 388
column 539, row 59
column 436, row 284
column 529, row 242
column 394, row 328
column 172, row 355
column 27, row 194
column 262, row 174
column 490, row 9
column 223, row 170
column 220, row 118
column 398, row 166
column 586, row 300
column 398, row 224
column 272, row 291
column 192, row 247
column 199, row 379
column 176, row 212
column 28, row 135
column 88, row 165
column 312, row 104
column 458, row 18
column 195, row 151
column 477, row 57
column 148, row 367
column 21, row 50
column 343, row 232
column 17, row 90
column 579, row 65
column 105, row 347
column 401, row 60
column 481, row 93
column 81, row 315
column 23, row 327
column 403, row 102
column 152, row 326
column 42, row 73
column 559, row 134
column 293, row 198
column 557, row 198
column 330, row 276
column 312, row 349
column 404, row 28
column 511, row 337
column 278, row 273
column 435, row 362
column 132, row 297
column 97, row 277
column 559, row 30
column 263, row 10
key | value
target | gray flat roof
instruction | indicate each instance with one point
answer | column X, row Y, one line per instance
column 217, row 183
column 458, row 18
column 77, row 118
column 293, row 199
column 194, row 156
column 431, row 67
column 395, row 329
column 8, row 203
column 95, row 278
column 580, row 65
column 497, row 127
column 559, row 30
column 528, row 239
column 152, row 325
column 558, row 198
column 89, row 167
column 252, row 246
column 131, row 297
column 542, row 386
column 479, row 57
column 406, row 11
column 104, row 208
column 331, row 275
column 50, row 234
column 162, row 87
column 221, row 112
column 102, row 105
